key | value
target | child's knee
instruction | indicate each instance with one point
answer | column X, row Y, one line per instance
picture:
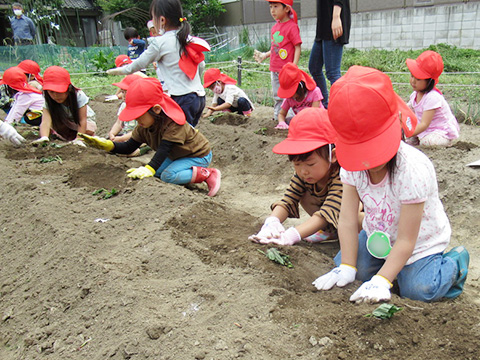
column 168, row 176
column 423, row 291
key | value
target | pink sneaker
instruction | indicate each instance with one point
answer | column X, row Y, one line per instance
column 320, row 236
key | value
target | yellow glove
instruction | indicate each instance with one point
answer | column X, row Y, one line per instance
column 141, row 172
column 98, row 143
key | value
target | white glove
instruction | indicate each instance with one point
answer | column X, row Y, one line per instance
column 78, row 142
column 340, row 276
column 282, row 126
column 8, row 132
column 40, row 141
column 141, row 172
column 272, row 228
column 288, row 237
column 375, row 290
column 115, row 71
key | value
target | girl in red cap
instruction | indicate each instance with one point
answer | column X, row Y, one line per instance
column 286, row 45
column 405, row 229
column 226, row 95
column 316, row 184
column 437, row 126
column 182, row 153
column 28, row 101
column 66, row 109
column 32, row 71
column 299, row 91
column 178, row 56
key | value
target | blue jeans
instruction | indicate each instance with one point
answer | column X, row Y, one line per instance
column 328, row 53
column 180, row 171
column 192, row 105
column 427, row 279
column 243, row 105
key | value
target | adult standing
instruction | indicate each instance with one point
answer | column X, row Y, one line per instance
column 22, row 26
column 333, row 32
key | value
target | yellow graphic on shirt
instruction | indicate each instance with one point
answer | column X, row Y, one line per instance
column 283, row 54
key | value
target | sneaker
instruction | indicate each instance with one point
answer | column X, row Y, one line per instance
column 460, row 255
column 213, row 181
column 320, row 236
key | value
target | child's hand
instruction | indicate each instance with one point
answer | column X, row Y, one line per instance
column 259, row 56
column 96, row 142
column 272, row 228
column 8, row 132
column 340, row 276
column 141, row 172
column 288, row 237
column 40, row 141
column 375, row 290
column 282, row 126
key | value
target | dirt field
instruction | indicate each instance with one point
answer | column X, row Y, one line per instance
column 162, row 271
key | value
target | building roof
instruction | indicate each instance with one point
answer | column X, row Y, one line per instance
column 78, row 4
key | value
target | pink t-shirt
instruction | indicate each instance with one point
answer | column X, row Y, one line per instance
column 444, row 122
column 284, row 38
column 23, row 102
column 296, row 106
column 414, row 181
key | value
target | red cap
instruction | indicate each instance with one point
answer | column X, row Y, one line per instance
column 289, row 78
column 143, row 94
column 127, row 81
column 289, row 3
column 121, row 60
column 364, row 110
column 31, row 67
column 428, row 65
column 17, row 80
column 310, row 129
column 213, row 74
column 56, row 78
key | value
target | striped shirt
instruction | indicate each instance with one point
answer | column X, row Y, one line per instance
column 328, row 198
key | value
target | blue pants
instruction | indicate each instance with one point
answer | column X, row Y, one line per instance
column 192, row 105
column 328, row 53
column 180, row 171
column 243, row 105
column 427, row 279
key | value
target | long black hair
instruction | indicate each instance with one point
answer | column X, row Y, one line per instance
column 173, row 13
column 59, row 115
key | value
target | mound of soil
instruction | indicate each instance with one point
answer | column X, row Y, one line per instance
column 160, row 271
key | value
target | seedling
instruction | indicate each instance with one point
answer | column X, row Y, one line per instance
column 261, row 131
column 51, row 158
column 384, row 311
column 105, row 194
column 278, row 257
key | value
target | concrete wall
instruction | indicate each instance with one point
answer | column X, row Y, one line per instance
column 406, row 28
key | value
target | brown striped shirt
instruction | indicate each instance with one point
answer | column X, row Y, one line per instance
column 328, row 198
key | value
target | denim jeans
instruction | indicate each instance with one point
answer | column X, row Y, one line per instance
column 180, row 171
column 243, row 105
column 328, row 53
column 192, row 105
column 427, row 279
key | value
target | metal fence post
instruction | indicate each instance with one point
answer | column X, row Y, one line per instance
column 239, row 71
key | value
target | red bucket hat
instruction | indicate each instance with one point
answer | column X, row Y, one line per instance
column 213, row 74
column 290, row 4
column 56, row 78
column 428, row 65
column 127, row 81
column 17, row 80
column 121, row 60
column 144, row 93
column 309, row 130
column 31, row 67
column 289, row 78
column 364, row 110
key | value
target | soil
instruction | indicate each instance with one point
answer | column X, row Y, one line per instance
column 161, row 271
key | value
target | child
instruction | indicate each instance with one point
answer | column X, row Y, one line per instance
column 136, row 46
column 315, row 185
column 182, row 153
column 437, row 125
column 28, row 101
column 122, row 60
column 177, row 55
column 226, row 95
column 32, row 71
column 286, row 45
column 299, row 91
column 66, row 110
column 405, row 229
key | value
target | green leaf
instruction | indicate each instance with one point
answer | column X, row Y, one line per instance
column 384, row 311
column 278, row 257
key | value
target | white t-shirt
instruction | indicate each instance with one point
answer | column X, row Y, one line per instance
column 165, row 51
column 414, row 181
column 231, row 93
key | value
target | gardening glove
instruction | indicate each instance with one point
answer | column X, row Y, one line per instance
column 115, row 71
column 259, row 56
column 375, row 290
column 282, row 126
column 272, row 228
column 288, row 237
column 78, row 142
column 141, row 172
column 8, row 132
column 43, row 139
column 98, row 143
column 340, row 276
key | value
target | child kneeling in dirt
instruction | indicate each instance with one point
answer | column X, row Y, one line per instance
column 226, row 95
column 182, row 153
column 315, row 185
